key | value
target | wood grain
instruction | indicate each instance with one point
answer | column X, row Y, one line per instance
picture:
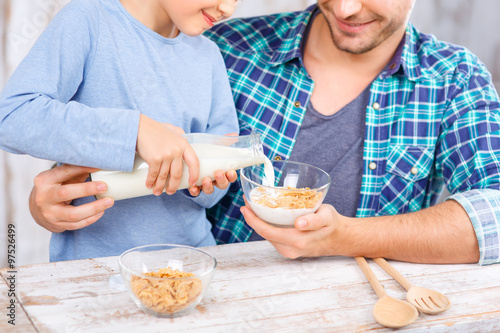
column 256, row 289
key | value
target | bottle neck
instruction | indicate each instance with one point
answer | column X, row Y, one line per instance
column 257, row 147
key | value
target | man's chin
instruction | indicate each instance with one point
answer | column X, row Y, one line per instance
column 352, row 48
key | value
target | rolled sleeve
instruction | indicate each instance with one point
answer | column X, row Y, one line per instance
column 483, row 208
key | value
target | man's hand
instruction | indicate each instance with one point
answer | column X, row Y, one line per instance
column 53, row 192
column 312, row 235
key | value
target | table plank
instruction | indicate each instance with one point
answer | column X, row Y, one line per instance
column 255, row 288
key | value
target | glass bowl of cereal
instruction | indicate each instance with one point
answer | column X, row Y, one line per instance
column 280, row 191
column 167, row 280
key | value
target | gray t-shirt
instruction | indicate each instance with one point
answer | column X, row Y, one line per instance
column 335, row 144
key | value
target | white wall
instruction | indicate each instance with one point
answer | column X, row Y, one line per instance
column 467, row 22
column 3, row 198
column 261, row 7
column 471, row 23
column 22, row 21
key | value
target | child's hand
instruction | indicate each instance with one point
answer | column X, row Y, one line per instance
column 174, row 128
column 164, row 149
column 221, row 181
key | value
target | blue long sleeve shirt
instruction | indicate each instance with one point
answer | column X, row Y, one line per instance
column 77, row 96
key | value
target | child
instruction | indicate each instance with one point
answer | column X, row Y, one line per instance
column 108, row 78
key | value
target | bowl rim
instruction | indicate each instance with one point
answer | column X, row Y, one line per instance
column 123, row 266
column 242, row 174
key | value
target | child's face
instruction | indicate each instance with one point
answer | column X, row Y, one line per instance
column 193, row 17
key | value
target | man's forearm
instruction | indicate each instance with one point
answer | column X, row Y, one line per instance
column 439, row 234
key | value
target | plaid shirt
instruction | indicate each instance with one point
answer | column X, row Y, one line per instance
column 432, row 121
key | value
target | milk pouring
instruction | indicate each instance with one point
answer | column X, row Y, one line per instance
column 215, row 152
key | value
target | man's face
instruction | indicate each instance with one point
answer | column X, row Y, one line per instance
column 359, row 26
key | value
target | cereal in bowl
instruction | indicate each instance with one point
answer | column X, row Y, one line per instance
column 276, row 198
column 165, row 290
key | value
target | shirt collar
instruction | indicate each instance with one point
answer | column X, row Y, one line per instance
column 410, row 57
column 406, row 57
column 396, row 62
column 290, row 47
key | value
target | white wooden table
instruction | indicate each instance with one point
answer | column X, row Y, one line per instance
column 254, row 289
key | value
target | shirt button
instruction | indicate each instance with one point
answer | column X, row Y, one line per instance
column 414, row 170
column 372, row 166
column 376, row 106
column 297, row 104
column 392, row 66
column 277, row 158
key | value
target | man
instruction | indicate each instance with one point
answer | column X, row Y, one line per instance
column 393, row 115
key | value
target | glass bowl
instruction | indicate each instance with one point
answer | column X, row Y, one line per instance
column 167, row 280
column 300, row 190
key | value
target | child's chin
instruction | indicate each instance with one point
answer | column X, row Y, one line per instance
column 194, row 33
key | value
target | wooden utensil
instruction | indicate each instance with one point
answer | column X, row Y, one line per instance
column 388, row 311
column 425, row 300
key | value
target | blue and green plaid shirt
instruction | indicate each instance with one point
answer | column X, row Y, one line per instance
column 432, row 121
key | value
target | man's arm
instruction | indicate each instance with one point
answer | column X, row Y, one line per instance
column 439, row 234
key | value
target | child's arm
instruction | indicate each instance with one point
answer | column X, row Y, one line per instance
column 222, row 120
column 39, row 115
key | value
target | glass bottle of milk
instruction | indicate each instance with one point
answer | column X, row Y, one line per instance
column 215, row 152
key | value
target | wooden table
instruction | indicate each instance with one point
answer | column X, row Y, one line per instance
column 254, row 289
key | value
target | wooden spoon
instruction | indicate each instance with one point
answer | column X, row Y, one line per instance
column 426, row 300
column 388, row 311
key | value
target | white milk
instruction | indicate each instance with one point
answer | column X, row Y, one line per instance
column 268, row 179
column 212, row 157
column 279, row 217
